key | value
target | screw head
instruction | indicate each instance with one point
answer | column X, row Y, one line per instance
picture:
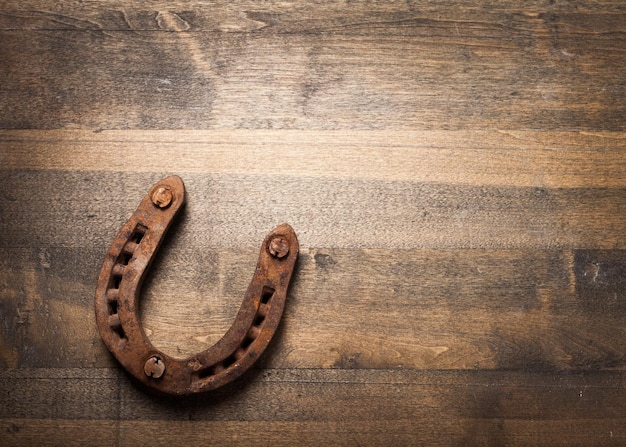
column 162, row 196
column 279, row 247
column 154, row 367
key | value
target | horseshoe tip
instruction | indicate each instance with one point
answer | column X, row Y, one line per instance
column 284, row 229
column 174, row 181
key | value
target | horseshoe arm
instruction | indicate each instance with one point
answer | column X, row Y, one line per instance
column 117, row 294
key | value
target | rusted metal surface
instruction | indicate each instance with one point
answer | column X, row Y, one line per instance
column 123, row 271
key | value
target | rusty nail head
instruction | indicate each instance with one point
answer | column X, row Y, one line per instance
column 279, row 247
column 162, row 196
column 154, row 367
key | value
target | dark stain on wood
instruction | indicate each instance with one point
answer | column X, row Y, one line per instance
column 601, row 280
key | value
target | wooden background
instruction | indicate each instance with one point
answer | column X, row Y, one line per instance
column 455, row 172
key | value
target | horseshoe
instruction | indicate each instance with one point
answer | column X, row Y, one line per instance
column 117, row 294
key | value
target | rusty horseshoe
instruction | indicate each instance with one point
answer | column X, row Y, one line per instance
column 117, row 293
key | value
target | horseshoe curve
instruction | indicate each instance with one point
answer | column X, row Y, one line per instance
column 117, row 297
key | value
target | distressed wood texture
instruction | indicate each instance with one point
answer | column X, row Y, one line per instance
column 455, row 172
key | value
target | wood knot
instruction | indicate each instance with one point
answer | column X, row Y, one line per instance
column 171, row 21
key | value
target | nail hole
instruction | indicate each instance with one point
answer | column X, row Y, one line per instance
column 259, row 320
column 206, row 372
column 263, row 309
column 125, row 258
column 246, row 342
column 116, row 326
column 119, row 331
column 115, row 281
column 229, row 361
column 112, row 307
column 266, row 294
column 216, row 369
column 138, row 233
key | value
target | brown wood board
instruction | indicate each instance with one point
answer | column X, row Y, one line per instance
column 455, row 173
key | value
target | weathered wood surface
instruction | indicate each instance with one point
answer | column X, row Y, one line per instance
column 456, row 174
column 495, row 65
column 350, row 407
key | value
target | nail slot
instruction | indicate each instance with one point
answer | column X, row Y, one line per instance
column 206, row 372
column 213, row 369
column 125, row 258
column 245, row 344
column 258, row 321
column 138, row 234
column 115, row 281
column 228, row 361
column 263, row 310
column 116, row 326
column 119, row 331
column 112, row 307
column 267, row 294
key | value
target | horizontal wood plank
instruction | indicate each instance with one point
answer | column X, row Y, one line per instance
column 306, row 406
column 391, row 67
column 304, row 16
column 455, row 172
column 468, row 432
column 85, row 209
column 426, row 309
column 55, row 432
column 503, row 158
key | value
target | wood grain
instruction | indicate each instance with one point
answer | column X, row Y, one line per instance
column 455, row 172
column 503, row 158
column 287, row 405
column 238, row 210
column 360, row 308
column 398, row 66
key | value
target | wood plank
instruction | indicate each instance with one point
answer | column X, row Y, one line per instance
column 306, row 406
column 511, row 158
column 426, row 309
column 455, row 172
column 467, row 432
column 300, row 17
column 466, row 394
column 55, row 432
column 85, row 209
column 443, row 68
